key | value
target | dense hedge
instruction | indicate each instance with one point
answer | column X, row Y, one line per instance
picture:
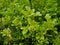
column 29, row 22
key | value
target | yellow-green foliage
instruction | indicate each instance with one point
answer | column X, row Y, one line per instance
column 29, row 22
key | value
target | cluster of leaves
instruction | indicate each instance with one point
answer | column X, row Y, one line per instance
column 29, row 22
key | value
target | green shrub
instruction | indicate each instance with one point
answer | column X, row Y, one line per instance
column 29, row 22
